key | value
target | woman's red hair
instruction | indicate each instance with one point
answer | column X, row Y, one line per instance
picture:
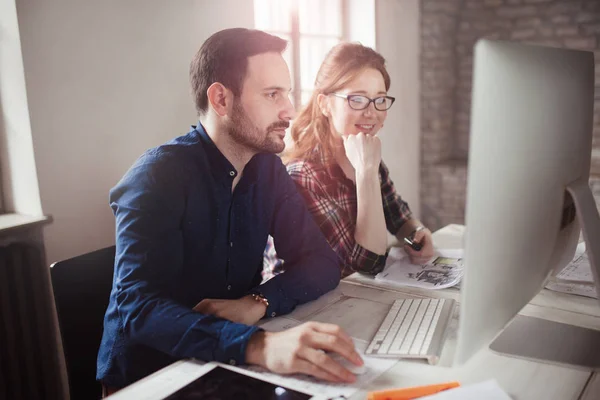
column 341, row 65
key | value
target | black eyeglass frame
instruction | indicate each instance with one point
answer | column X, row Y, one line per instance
column 349, row 98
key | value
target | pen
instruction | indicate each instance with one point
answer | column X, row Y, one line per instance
column 412, row 392
column 414, row 245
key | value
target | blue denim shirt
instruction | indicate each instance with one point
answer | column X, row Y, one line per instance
column 183, row 236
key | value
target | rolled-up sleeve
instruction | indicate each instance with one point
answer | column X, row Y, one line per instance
column 395, row 210
column 311, row 266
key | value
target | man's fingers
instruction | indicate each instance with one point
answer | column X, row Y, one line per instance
column 332, row 329
column 202, row 307
column 323, row 362
column 332, row 343
column 308, row 368
column 210, row 306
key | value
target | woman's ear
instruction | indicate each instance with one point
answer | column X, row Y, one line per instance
column 220, row 99
column 324, row 106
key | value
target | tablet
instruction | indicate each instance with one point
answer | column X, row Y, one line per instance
column 224, row 384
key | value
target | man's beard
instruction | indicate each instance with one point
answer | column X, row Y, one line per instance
column 244, row 132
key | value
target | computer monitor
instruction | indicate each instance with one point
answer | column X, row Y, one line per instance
column 527, row 196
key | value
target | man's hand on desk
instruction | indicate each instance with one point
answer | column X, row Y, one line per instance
column 424, row 238
column 302, row 350
column 245, row 310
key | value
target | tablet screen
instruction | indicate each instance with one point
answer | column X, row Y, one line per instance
column 224, row 384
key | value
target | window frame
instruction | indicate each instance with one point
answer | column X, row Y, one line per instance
column 294, row 44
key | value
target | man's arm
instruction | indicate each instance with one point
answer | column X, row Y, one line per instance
column 311, row 267
column 148, row 205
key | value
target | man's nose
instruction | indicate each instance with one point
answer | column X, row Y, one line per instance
column 289, row 112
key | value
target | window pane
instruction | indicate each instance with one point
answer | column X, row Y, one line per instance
column 312, row 53
column 273, row 15
column 320, row 17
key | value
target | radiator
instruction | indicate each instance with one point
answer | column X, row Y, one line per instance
column 32, row 363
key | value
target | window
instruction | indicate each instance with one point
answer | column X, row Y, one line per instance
column 311, row 27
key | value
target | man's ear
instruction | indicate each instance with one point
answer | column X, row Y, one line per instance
column 220, row 99
column 323, row 102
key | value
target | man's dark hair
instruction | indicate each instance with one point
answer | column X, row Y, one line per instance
column 224, row 58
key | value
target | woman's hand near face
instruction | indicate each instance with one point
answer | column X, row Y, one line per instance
column 363, row 152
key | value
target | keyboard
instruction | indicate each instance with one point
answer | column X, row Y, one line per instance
column 413, row 328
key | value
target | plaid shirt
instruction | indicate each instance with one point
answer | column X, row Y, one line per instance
column 331, row 199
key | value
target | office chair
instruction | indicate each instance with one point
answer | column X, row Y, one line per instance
column 32, row 365
column 82, row 288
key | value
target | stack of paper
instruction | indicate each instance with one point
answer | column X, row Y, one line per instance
column 444, row 270
column 575, row 278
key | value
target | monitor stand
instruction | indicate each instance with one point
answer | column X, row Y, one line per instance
column 549, row 341
column 554, row 342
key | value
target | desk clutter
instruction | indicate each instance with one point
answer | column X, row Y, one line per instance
column 359, row 305
column 488, row 390
column 576, row 278
column 444, row 270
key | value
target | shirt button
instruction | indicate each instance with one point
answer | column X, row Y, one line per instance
column 273, row 314
column 231, row 173
column 228, row 287
column 232, row 362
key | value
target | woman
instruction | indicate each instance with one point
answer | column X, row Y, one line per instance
column 336, row 164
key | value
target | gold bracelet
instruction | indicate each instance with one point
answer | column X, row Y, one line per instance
column 261, row 299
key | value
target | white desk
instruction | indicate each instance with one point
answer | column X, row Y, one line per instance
column 522, row 379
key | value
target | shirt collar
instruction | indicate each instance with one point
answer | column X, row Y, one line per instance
column 220, row 166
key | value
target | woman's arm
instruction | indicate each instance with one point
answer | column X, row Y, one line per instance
column 364, row 154
column 370, row 231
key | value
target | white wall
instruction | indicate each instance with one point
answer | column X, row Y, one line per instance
column 105, row 81
column 361, row 22
column 398, row 40
column 19, row 177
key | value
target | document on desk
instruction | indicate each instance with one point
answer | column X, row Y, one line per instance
column 303, row 383
column 488, row 390
column 576, row 278
column 444, row 270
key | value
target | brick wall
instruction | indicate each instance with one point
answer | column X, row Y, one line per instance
column 449, row 30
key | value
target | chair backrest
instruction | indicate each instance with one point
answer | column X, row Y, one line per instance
column 82, row 288
column 32, row 365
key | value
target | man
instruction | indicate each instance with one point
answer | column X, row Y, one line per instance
column 192, row 221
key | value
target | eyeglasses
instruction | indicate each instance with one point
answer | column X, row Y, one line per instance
column 359, row 102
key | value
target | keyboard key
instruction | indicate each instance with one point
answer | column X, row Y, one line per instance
column 409, row 328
